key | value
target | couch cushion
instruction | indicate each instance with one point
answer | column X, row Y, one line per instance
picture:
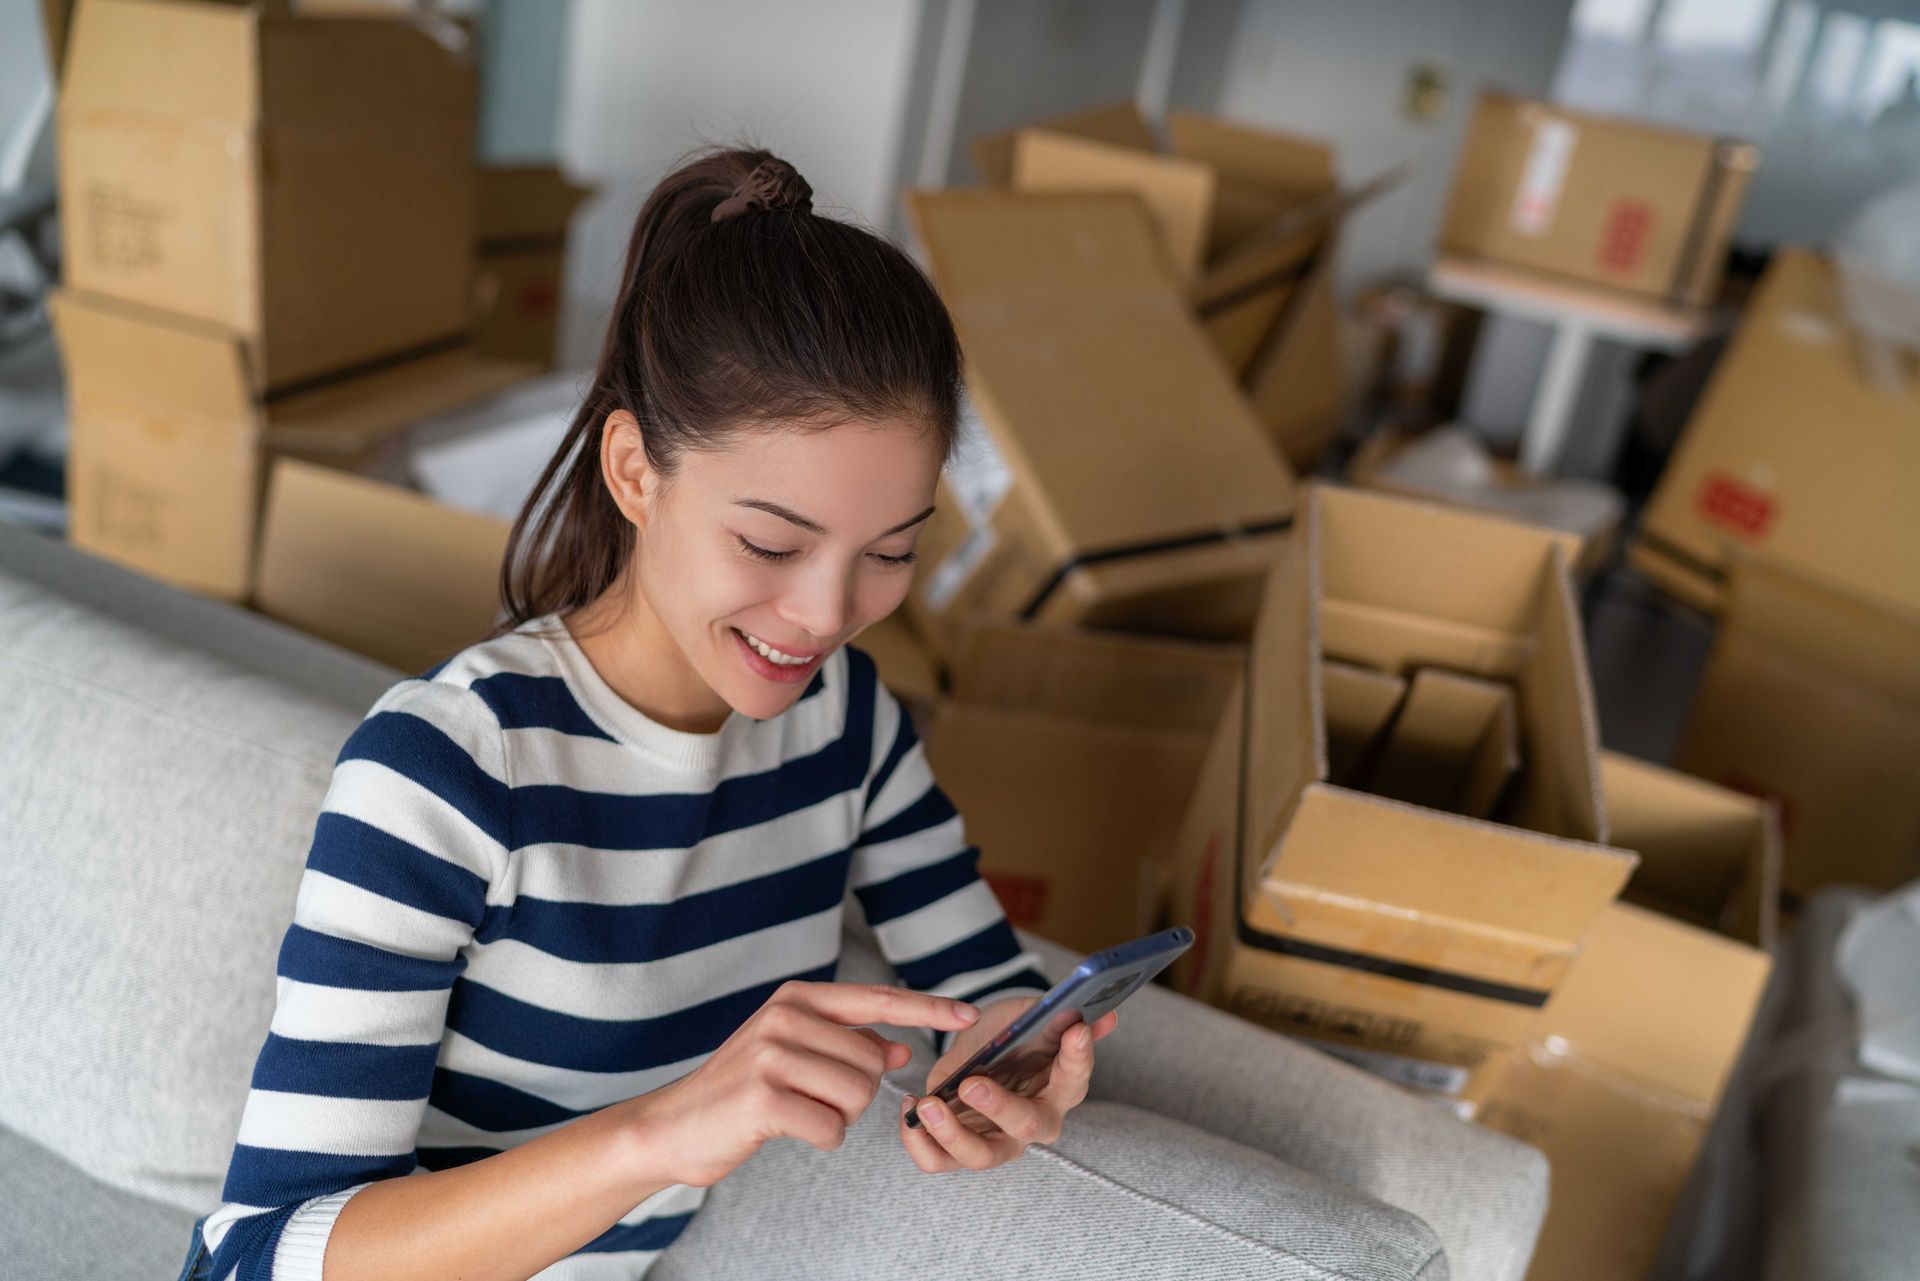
column 58, row 1222
column 157, row 804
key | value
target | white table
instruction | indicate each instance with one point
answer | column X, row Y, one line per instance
column 1580, row 316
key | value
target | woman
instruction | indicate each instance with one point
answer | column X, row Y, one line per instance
column 569, row 924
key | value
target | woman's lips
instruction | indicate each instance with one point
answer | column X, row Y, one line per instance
column 781, row 673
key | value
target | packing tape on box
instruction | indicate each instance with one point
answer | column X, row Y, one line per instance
column 1128, row 551
column 1388, row 967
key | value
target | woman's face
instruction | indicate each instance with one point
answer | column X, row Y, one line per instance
column 762, row 557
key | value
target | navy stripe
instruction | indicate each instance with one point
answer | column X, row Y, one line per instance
column 649, row 1234
column 903, row 740
column 344, row 1069
column 276, row 1176
column 452, row 1158
column 932, row 809
column 991, row 946
column 553, row 813
column 436, row 669
column 626, row 933
column 911, row 891
column 250, row 1244
column 418, row 749
column 536, row 1035
column 863, row 689
column 359, row 853
column 537, row 702
column 493, row 1105
column 1025, row 978
column 309, row 956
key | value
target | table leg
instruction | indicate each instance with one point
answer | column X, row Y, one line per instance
column 1547, row 425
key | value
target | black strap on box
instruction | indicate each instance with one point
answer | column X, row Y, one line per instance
column 1127, row 551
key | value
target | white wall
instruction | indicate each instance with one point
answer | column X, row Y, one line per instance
column 1337, row 69
column 825, row 84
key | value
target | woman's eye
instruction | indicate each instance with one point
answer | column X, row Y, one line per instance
column 761, row 553
column 904, row 559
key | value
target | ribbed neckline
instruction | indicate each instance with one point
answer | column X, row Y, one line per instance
column 677, row 749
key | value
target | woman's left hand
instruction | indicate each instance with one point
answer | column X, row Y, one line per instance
column 996, row 1126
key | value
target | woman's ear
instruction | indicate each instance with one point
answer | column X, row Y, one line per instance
column 630, row 478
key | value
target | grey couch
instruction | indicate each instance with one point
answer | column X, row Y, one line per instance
column 162, row 758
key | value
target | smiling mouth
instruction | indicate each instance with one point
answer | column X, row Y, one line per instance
column 775, row 656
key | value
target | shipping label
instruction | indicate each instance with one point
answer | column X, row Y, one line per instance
column 1537, row 199
column 979, row 480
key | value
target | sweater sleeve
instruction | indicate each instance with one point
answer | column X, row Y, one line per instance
column 411, row 835
column 935, row 919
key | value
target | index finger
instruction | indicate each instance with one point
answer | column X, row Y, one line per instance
column 857, row 1003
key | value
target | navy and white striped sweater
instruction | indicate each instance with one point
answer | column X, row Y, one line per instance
column 526, row 901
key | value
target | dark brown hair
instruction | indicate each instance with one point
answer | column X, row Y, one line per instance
column 768, row 316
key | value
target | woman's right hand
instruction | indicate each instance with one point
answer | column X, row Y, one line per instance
column 800, row 1067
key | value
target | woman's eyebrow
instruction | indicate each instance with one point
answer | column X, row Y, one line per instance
column 812, row 526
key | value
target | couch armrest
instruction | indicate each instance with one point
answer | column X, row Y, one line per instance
column 1483, row 1193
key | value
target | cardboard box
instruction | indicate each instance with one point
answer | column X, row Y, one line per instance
column 169, row 444
column 1591, row 198
column 1811, row 698
column 523, row 216
column 1247, row 219
column 1793, row 453
column 1453, row 745
column 1418, row 943
column 1071, row 756
column 1626, row 1067
column 380, row 570
column 1115, row 476
column 1709, row 856
column 1360, row 703
column 306, row 184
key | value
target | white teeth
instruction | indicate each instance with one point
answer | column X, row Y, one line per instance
column 773, row 655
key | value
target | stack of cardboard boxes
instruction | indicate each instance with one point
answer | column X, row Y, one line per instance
column 269, row 223
column 1788, row 511
column 1367, row 771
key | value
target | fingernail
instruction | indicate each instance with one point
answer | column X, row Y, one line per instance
column 974, row 1091
column 1083, row 1038
column 932, row 1113
column 967, row 1012
column 906, row 1105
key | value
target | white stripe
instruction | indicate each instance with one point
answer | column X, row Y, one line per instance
column 908, row 783
column 397, row 805
column 939, row 924
column 886, row 726
column 442, row 1130
column 973, row 980
column 569, row 1088
column 344, row 910
column 600, row 1265
column 319, row 1123
column 873, row 864
column 678, row 1199
column 221, row 1221
column 555, row 757
column 583, row 874
column 649, row 989
column 310, row 1012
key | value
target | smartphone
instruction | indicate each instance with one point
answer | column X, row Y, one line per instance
column 1026, row 1047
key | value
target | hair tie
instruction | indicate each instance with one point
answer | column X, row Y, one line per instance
column 773, row 184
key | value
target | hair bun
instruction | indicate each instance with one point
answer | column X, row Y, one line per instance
column 773, row 184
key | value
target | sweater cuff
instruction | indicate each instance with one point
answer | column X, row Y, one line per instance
column 303, row 1241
